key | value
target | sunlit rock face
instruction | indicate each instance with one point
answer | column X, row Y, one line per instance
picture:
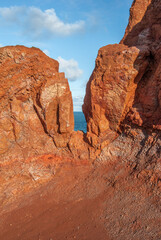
column 105, row 184
column 111, row 89
column 36, row 109
column 124, row 87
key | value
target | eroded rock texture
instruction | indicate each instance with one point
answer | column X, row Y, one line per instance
column 36, row 108
column 124, row 87
column 137, row 12
column 117, row 195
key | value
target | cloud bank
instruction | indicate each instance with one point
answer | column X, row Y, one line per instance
column 36, row 22
column 70, row 67
column 77, row 102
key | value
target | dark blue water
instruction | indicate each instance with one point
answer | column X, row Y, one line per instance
column 80, row 122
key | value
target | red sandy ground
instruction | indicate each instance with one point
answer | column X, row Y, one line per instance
column 85, row 201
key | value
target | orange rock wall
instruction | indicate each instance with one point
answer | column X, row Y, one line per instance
column 137, row 12
column 124, row 87
column 36, row 108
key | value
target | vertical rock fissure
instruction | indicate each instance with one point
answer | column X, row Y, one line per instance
column 41, row 120
column 57, row 120
column 13, row 125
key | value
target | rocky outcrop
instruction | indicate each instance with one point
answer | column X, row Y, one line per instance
column 146, row 108
column 124, row 87
column 147, row 31
column 111, row 89
column 36, row 108
column 115, row 196
column 137, row 12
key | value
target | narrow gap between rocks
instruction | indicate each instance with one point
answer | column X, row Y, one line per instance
column 80, row 122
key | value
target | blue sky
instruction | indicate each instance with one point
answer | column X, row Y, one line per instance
column 70, row 31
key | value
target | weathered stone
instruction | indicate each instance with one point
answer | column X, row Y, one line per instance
column 111, row 89
column 78, row 146
column 36, row 103
column 137, row 12
column 125, row 84
column 114, row 195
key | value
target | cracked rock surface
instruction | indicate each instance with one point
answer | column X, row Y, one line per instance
column 36, row 109
column 125, row 86
column 59, row 184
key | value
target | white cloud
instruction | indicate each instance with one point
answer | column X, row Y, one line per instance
column 77, row 103
column 37, row 22
column 1, row 45
column 11, row 14
column 70, row 67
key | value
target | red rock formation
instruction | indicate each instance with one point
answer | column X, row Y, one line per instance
column 146, row 107
column 36, row 104
column 125, row 84
column 137, row 12
column 116, row 196
column 112, row 86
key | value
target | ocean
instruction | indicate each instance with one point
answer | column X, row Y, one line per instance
column 80, row 122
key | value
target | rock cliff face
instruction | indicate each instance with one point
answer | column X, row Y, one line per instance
column 36, row 108
column 124, row 87
column 137, row 12
column 146, row 108
column 115, row 196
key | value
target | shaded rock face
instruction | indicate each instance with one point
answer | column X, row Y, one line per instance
column 124, row 87
column 137, row 12
column 146, row 108
column 36, row 108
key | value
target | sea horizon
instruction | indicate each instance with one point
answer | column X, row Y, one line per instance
column 79, row 121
